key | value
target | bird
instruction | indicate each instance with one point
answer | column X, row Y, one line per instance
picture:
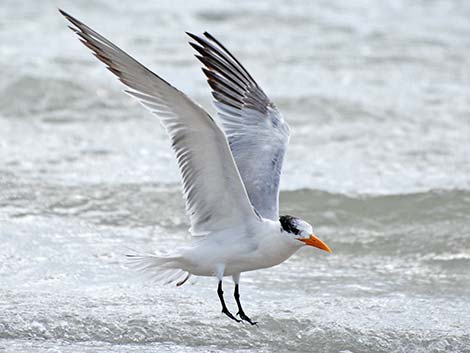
column 230, row 168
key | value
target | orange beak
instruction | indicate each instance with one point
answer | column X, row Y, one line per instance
column 314, row 241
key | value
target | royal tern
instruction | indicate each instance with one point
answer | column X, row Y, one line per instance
column 230, row 176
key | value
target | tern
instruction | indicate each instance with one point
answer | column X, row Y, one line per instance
column 230, row 174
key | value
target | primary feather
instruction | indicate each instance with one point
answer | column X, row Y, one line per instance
column 257, row 133
column 215, row 196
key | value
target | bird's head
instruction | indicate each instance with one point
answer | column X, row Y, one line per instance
column 301, row 231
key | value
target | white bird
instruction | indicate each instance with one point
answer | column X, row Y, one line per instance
column 230, row 180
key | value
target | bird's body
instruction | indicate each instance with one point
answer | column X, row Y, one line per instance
column 230, row 175
column 233, row 251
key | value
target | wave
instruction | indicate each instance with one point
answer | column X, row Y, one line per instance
column 379, row 325
column 162, row 204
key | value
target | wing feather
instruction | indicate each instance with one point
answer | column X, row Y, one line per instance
column 257, row 133
column 215, row 196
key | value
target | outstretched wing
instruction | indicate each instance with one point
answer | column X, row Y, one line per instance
column 215, row 195
column 257, row 133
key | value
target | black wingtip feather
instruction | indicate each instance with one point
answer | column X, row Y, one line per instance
column 224, row 49
column 62, row 12
column 70, row 18
column 73, row 29
column 197, row 47
column 193, row 36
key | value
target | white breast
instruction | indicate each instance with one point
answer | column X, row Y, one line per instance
column 236, row 251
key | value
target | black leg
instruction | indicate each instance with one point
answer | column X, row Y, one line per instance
column 220, row 292
column 242, row 314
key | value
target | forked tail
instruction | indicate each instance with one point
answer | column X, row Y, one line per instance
column 161, row 269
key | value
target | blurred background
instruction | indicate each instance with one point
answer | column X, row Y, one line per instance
column 377, row 97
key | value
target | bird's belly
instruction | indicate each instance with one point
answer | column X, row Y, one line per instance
column 235, row 252
column 232, row 267
column 238, row 258
column 257, row 261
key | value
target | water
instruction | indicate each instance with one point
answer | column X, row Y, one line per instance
column 377, row 97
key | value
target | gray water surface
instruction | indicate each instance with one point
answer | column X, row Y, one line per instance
column 377, row 97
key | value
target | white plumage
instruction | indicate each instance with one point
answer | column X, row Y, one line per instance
column 231, row 180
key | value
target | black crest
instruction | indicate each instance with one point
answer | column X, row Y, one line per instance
column 288, row 223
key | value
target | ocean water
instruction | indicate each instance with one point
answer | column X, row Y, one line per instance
column 377, row 96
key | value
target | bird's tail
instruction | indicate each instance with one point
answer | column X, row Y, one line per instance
column 161, row 269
